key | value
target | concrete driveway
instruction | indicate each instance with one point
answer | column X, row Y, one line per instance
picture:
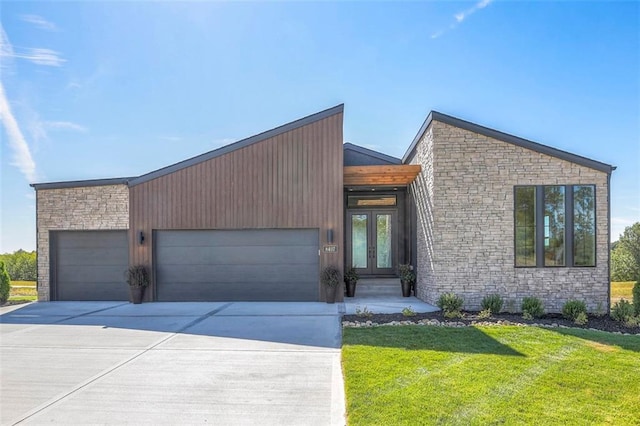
column 171, row 363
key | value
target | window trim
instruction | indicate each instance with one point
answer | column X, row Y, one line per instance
column 569, row 234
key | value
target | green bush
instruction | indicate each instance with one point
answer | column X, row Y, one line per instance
column 5, row 284
column 573, row 308
column 484, row 314
column 636, row 297
column 450, row 303
column 493, row 303
column 581, row 318
column 533, row 307
column 622, row 311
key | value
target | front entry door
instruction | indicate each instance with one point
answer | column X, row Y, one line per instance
column 373, row 244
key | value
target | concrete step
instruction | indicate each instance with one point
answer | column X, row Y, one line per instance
column 372, row 287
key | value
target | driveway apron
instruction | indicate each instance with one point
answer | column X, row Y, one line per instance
column 239, row 363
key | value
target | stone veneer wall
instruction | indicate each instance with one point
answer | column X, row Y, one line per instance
column 464, row 197
column 103, row 207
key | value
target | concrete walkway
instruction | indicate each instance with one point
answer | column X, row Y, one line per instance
column 171, row 363
column 385, row 304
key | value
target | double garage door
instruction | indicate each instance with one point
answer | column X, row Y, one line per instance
column 250, row 265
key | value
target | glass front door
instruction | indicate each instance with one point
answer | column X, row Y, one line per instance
column 372, row 241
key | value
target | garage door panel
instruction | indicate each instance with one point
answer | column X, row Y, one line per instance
column 90, row 265
column 263, row 255
column 248, row 237
column 239, row 273
column 271, row 264
column 246, row 291
column 91, row 239
column 94, row 256
column 92, row 273
column 92, row 291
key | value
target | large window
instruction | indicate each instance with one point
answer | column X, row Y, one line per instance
column 584, row 225
column 555, row 225
column 526, row 226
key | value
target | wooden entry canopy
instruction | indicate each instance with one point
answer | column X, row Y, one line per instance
column 387, row 175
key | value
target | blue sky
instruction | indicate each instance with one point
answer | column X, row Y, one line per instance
column 113, row 89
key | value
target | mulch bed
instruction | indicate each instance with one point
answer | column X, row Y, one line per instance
column 602, row 323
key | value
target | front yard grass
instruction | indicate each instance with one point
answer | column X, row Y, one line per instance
column 621, row 290
column 421, row 375
column 23, row 291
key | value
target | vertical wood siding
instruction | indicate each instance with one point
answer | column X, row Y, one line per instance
column 292, row 180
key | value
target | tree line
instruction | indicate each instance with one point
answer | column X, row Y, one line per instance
column 21, row 265
column 625, row 255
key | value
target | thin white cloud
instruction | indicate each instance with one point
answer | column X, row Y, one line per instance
column 64, row 125
column 22, row 158
column 461, row 16
column 39, row 22
column 40, row 56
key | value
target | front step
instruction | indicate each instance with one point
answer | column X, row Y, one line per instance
column 378, row 287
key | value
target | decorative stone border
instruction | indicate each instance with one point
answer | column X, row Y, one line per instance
column 460, row 324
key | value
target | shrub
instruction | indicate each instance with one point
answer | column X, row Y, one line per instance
column 363, row 313
column 406, row 274
column 533, row 307
column 450, row 303
column 581, row 318
column 351, row 276
column 5, row 284
column 484, row 314
column 331, row 276
column 493, row 303
column 636, row 297
column 622, row 310
column 573, row 308
column 408, row 312
column 137, row 276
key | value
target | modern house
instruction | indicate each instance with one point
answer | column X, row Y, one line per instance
column 474, row 210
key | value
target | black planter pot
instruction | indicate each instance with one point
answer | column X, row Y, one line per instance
column 330, row 293
column 406, row 288
column 136, row 294
column 351, row 288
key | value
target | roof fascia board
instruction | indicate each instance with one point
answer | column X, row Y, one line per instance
column 80, row 183
column 238, row 145
column 372, row 153
column 505, row 137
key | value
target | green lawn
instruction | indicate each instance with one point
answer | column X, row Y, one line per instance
column 621, row 290
column 23, row 290
column 422, row 375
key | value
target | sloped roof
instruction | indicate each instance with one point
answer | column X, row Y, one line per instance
column 131, row 181
column 238, row 145
column 505, row 137
column 368, row 156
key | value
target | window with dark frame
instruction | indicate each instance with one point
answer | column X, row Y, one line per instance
column 555, row 225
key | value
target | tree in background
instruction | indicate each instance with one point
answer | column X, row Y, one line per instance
column 625, row 255
column 21, row 265
column 5, row 284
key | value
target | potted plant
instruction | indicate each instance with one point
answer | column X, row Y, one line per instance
column 330, row 278
column 407, row 279
column 138, row 280
column 351, row 278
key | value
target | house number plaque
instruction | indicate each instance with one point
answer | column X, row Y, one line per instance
column 330, row 249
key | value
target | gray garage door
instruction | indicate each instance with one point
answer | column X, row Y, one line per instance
column 251, row 265
column 90, row 265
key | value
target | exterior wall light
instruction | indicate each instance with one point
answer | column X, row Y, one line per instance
column 330, row 236
column 141, row 238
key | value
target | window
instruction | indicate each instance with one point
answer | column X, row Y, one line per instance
column 555, row 225
column 526, row 226
column 584, row 224
column 371, row 200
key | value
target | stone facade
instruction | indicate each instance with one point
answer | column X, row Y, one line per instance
column 104, row 207
column 465, row 232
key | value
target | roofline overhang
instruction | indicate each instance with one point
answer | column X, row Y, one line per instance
column 81, row 183
column 504, row 137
